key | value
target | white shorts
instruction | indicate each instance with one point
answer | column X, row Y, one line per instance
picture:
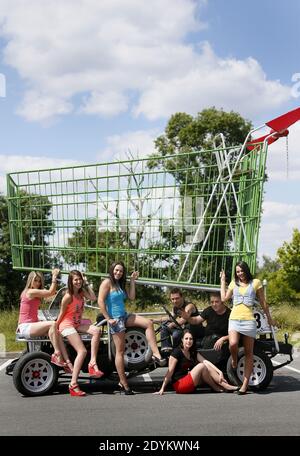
column 68, row 331
column 23, row 330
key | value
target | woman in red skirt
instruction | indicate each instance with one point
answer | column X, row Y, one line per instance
column 188, row 369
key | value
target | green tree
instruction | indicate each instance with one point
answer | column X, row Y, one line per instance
column 268, row 266
column 11, row 281
column 32, row 229
column 92, row 248
column 283, row 273
column 96, row 246
column 185, row 133
column 289, row 258
column 36, row 227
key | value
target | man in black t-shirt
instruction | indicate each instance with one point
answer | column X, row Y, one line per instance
column 216, row 317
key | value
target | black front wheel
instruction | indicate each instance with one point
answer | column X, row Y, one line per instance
column 262, row 372
column 34, row 374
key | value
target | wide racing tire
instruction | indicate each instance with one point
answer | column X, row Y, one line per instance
column 262, row 373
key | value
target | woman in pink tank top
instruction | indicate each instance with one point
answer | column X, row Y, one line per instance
column 29, row 325
column 69, row 323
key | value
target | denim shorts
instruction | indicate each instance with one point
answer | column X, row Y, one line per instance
column 120, row 325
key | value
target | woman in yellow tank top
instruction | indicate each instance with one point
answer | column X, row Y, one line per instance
column 244, row 289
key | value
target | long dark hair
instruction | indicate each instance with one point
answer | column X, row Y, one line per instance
column 193, row 350
column 72, row 274
column 245, row 268
column 122, row 282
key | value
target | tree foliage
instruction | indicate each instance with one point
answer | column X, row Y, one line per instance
column 289, row 258
column 269, row 266
column 90, row 248
column 36, row 227
column 192, row 172
column 283, row 273
column 11, row 281
column 185, row 133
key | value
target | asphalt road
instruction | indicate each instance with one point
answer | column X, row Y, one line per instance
column 104, row 412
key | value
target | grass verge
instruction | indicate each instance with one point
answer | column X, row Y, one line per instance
column 286, row 316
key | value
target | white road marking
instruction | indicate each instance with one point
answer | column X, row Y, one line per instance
column 147, row 377
column 287, row 367
column 3, row 366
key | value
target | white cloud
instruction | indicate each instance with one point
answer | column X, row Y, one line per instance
column 240, row 85
column 278, row 222
column 273, row 209
column 17, row 163
column 106, row 104
column 139, row 143
column 40, row 107
column 97, row 57
column 279, row 218
column 284, row 163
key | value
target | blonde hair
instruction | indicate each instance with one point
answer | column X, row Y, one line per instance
column 32, row 275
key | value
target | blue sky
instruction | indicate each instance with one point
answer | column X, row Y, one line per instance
column 87, row 80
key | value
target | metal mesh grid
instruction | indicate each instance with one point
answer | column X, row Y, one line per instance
column 177, row 219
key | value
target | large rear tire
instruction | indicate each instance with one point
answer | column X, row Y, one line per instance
column 137, row 354
column 262, row 373
column 34, row 375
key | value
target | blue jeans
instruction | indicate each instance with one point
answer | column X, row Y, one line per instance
column 165, row 336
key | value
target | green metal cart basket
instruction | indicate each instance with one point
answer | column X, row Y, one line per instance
column 177, row 219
